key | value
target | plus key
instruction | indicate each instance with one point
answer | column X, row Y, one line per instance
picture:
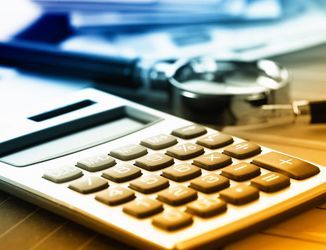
column 284, row 164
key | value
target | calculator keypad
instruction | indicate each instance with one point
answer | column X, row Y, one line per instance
column 209, row 188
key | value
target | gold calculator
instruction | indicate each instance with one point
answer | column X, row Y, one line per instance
column 149, row 179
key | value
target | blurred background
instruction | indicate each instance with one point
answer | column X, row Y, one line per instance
column 154, row 30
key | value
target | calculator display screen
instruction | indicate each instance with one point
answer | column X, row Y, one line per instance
column 126, row 120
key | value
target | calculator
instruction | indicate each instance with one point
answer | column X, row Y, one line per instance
column 147, row 178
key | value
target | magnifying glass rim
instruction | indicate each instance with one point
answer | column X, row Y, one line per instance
column 282, row 82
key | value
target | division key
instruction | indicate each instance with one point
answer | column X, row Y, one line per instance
column 287, row 165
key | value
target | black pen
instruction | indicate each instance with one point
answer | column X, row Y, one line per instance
column 43, row 58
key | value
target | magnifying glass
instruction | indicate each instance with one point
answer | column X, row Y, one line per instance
column 201, row 89
column 210, row 91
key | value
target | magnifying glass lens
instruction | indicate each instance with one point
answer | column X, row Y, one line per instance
column 210, row 77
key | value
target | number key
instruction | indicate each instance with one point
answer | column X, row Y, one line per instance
column 154, row 161
column 89, row 184
column 115, row 196
column 181, row 172
column 143, row 207
column 206, row 207
column 210, row 183
column 149, row 184
column 177, row 195
column 121, row 173
column 172, row 220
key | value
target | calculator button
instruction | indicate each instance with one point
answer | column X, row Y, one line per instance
column 185, row 151
column 154, row 161
column 182, row 172
column 177, row 195
column 62, row 174
column 210, row 183
column 129, row 152
column 115, row 196
column 214, row 141
column 149, row 184
column 96, row 163
column 271, row 182
column 159, row 141
column 212, row 161
column 172, row 220
column 240, row 194
column 122, row 172
column 284, row 164
column 206, row 207
column 89, row 184
column 242, row 150
column 189, row 132
column 241, row 172
column 143, row 207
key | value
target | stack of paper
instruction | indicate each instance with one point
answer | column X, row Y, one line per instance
column 99, row 15
column 172, row 29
